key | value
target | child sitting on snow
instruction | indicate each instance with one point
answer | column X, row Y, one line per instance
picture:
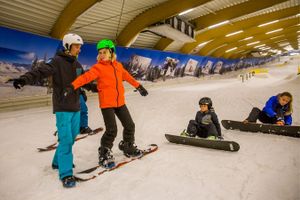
column 206, row 123
column 278, row 110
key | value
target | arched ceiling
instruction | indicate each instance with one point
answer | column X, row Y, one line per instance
column 153, row 15
column 124, row 21
column 240, row 25
column 250, row 32
column 68, row 16
column 259, row 36
column 290, row 33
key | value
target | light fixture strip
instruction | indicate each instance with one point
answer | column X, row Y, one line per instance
column 268, row 23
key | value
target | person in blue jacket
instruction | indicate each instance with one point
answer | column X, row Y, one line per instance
column 278, row 110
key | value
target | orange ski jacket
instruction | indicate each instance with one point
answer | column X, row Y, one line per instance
column 110, row 77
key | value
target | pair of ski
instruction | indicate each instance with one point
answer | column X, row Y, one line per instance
column 79, row 137
column 93, row 172
column 291, row 131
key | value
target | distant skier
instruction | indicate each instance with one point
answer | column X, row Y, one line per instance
column 110, row 75
column 206, row 123
column 64, row 68
column 278, row 110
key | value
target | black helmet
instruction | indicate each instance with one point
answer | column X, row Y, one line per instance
column 206, row 101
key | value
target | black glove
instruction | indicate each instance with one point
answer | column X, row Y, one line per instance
column 69, row 90
column 18, row 83
column 142, row 90
column 91, row 87
column 94, row 88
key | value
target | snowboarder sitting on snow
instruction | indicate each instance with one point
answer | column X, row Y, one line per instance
column 206, row 123
column 278, row 110
column 110, row 75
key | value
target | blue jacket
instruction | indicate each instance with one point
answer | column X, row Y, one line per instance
column 274, row 109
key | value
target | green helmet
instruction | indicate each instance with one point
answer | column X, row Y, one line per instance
column 106, row 44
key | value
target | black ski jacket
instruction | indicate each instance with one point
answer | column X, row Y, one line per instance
column 64, row 69
column 206, row 118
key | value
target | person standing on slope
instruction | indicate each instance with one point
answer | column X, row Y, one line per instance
column 110, row 75
column 64, row 68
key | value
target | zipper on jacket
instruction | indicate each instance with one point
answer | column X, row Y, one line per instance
column 116, row 83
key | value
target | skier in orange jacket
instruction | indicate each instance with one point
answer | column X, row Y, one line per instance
column 110, row 75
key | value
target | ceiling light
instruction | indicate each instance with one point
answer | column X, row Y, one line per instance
column 277, row 30
column 265, row 24
column 248, row 38
column 260, row 45
column 185, row 12
column 234, row 33
column 276, row 37
column 265, row 48
column 203, row 43
column 249, row 44
column 234, row 48
column 218, row 24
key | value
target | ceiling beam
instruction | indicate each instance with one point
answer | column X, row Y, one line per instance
column 261, row 36
column 163, row 43
column 224, row 14
column 207, row 50
column 240, row 55
column 240, row 25
column 233, row 12
column 68, row 16
column 269, row 42
column 153, row 15
column 294, row 42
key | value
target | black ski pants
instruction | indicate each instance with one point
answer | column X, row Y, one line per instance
column 257, row 114
column 202, row 130
column 111, row 125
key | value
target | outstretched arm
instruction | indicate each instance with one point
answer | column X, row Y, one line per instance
column 128, row 78
column 29, row 78
column 85, row 78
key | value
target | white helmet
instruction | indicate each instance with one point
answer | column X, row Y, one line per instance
column 71, row 38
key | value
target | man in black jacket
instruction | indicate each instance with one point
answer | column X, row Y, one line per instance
column 64, row 68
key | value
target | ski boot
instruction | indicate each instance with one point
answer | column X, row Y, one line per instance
column 220, row 137
column 184, row 133
column 69, row 181
column 130, row 149
column 106, row 158
column 86, row 130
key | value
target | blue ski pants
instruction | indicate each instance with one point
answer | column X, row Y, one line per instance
column 83, row 113
column 67, row 124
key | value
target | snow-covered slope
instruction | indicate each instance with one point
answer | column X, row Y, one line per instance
column 266, row 167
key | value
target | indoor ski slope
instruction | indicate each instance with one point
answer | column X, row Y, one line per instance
column 266, row 167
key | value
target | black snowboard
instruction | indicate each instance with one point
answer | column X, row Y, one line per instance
column 292, row 131
column 202, row 142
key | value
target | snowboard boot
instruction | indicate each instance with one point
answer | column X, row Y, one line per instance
column 220, row 137
column 86, row 130
column 106, row 158
column 212, row 137
column 69, row 181
column 130, row 149
column 184, row 133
